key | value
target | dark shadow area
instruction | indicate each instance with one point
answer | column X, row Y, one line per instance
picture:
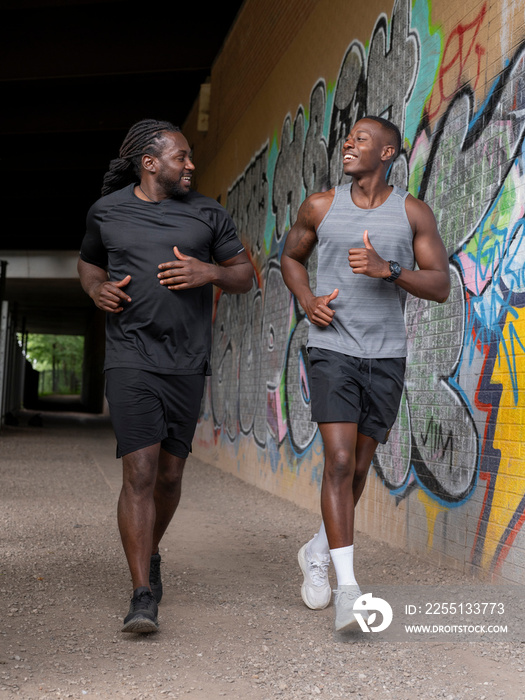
column 42, row 409
column 60, row 403
column 56, row 416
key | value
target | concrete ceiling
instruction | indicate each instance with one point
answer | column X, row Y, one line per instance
column 74, row 75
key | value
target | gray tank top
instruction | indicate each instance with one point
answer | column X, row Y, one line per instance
column 369, row 313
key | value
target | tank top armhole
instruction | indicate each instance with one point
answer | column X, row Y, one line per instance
column 404, row 196
column 337, row 191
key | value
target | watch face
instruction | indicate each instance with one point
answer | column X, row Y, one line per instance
column 395, row 271
column 395, row 268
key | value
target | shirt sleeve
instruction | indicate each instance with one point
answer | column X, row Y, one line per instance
column 226, row 242
column 92, row 249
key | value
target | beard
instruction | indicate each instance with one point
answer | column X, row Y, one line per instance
column 172, row 188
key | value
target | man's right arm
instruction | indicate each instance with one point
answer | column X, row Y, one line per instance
column 108, row 296
column 300, row 242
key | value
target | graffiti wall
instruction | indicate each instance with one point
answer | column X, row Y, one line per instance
column 450, row 482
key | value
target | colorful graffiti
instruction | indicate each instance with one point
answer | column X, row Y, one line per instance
column 461, row 422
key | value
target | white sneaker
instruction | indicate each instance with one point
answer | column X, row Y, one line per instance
column 315, row 591
column 344, row 599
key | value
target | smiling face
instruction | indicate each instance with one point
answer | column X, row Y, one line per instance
column 174, row 167
column 367, row 148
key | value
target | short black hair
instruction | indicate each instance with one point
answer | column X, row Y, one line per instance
column 392, row 129
column 143, row 137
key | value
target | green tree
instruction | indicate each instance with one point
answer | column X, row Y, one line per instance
column 58, row 357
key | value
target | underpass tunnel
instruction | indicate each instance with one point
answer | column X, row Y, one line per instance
column 40, row 293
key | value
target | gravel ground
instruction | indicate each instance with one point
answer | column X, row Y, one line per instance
column 232, row 623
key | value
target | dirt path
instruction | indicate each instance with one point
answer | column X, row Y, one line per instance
column 232, row 621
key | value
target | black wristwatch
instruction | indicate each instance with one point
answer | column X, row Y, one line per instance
column 395, row 271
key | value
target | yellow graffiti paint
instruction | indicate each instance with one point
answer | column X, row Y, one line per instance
column 432, row 510
column 509, row 436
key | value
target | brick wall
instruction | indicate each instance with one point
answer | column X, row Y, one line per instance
column 288, row 84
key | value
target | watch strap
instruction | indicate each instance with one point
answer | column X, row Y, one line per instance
column 395, row 271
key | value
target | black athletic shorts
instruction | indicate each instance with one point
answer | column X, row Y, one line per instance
column 148, row 408
column 346, row 389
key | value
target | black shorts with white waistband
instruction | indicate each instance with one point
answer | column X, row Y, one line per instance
column 147, row 408
column 346, row 389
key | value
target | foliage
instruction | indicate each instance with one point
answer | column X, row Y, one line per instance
column 59, row 357
column 48, row 351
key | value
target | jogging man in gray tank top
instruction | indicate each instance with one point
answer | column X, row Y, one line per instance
column 370, row 236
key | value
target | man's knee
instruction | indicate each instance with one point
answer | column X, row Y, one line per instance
column 169, row 483
column 139, row 469
column 170, row 471
column 339, row 464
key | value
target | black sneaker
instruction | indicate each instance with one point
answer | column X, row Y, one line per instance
column 142, row 616
column 155, row 582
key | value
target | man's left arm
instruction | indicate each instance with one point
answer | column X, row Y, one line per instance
column 234, row 275
column 432, row 278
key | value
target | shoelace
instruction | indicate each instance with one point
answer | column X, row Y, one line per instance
column 350, row 597
column 345, row 594
column 318, row 571
column 142, row 601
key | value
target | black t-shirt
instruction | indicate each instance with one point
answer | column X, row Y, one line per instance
column 159, row 330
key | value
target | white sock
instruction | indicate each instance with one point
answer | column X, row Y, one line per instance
column 343, row 559
column 319, row 546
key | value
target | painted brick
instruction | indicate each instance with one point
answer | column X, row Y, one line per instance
column 458, row 94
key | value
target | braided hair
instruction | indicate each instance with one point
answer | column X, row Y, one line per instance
column 143, row 137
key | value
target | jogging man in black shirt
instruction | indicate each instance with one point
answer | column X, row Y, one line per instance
column 158, row 329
